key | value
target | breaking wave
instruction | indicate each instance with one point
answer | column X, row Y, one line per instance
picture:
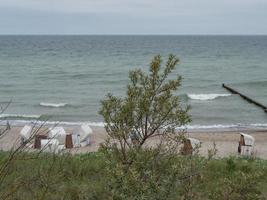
column 53, row 105
column 205, row 97
column 35, row 121
column 19, row 116
column 27, row 120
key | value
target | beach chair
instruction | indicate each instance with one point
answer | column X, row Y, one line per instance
column 69, row 141
column 58, row 133
column 190, row 146
column 81, row 136
column 25, row 134
column 50, row 145
column 37, row 141
column 245, row 145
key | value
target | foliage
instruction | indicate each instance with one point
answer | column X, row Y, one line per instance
column 48, row 176
column 149, row 109
column 153, row 175
column 85, row 177
column 236, row 178
column 142, row 151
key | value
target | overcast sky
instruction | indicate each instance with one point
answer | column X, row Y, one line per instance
column 133, row 16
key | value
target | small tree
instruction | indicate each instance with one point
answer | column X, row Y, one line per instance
column 143, row 140
column 149, row 109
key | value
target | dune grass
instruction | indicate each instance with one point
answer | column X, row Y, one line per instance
column 47, row 176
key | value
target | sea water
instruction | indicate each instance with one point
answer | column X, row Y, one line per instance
column 63, row 78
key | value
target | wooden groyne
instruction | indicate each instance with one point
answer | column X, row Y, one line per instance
column 245, row 97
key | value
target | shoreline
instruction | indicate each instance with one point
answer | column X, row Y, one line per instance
column 226, row 140
column 199, row 128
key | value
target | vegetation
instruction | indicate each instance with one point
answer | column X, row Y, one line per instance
column 150, row 112
column 85, row 177
column 47, row 176
column 149, row 109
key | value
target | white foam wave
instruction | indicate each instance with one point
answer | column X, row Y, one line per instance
column 96, row 124
column 205, row 97
column 214, row 126
column 102, row 124
column 53, row 105
column 20, row 116
column 49, row 123
column 259, row 125
column 223, row 126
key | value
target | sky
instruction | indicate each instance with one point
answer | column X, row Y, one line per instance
column 234, row 17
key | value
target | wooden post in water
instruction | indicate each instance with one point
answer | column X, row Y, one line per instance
column 245, row 97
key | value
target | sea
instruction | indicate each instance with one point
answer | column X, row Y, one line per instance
column 62, row 79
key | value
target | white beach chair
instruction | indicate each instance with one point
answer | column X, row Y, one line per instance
column 75, row 140
column 50, row 145
column 246, row 144
column 25, row 133
column 195, row 143
column 58, row 133
column 81, row 137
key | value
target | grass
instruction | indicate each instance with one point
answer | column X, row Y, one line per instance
column 46, row 176
column 54, row 177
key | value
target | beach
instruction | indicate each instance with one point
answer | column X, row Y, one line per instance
column 62, row 80
column 226, row 141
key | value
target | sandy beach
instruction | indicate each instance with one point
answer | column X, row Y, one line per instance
column 226, row 141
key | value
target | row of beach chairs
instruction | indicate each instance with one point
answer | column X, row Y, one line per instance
column 245, row 145
column 56, row 139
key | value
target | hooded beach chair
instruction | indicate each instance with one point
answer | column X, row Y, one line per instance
column 25, row 134
column 81, row 137
column 58, row 133
column 50, row 145
column 37, row 141
column 190, row 146
column 246, row 144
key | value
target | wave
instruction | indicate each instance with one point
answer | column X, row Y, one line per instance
column 19, row 116
column 224, row 127
column 205, row 97
column 35, row 121
column 53, row 105
column 193, row 127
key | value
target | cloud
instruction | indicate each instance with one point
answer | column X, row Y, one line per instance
column 124, row 6
column 128, row 16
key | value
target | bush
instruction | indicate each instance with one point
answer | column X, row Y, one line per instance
column 234, row 178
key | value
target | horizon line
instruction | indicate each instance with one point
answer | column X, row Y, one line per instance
column 126, row 34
